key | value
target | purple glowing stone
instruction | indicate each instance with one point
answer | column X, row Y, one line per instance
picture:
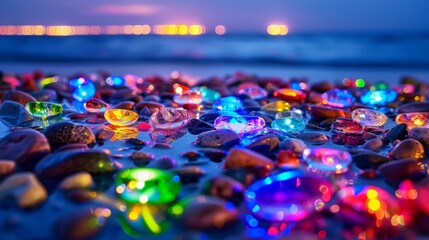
column 239, row 124
column 327, row 160
column 338, row 98
column 288, row 196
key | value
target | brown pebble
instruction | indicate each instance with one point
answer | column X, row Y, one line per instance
column 409, row 148
column 368, row 136
column 19, row 97
column 6, row 167
column 328, row 112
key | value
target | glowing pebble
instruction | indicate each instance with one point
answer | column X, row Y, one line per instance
column 121, row 117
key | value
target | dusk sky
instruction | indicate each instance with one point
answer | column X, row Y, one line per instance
column 237, row 16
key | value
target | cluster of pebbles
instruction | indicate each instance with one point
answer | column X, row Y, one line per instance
column 57, row 174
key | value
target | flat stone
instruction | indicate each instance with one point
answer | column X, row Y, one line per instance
column 400, row 170
column 224, row 187
column 24, row 189
column 346, row 125
column 222, row 138
column 315, row 138
column 18, row 97
column 7, row 167
column 264, row 143
column 328, row 112
column 369, row 117
column 80, row 180
column 164, row 162
column 420, row 134
column 189, row 174
column 245, row 158
column 295, row 145
column 196, row 126
column 121, row 117
column 63, row 133
column 373, row 144
column 397, row 132
column 408, row 148
column 369, row 160
column 327, row 159
column 13, row 114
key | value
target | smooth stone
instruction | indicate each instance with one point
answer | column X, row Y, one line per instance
column 420, row 134
column 77, row 116
column 169, row 118
column 413, row 107
column 26, row 147
column 224, row 187
column 253, row 92
column 400, row 170
column 346, row 125
column 322, row 86
column 287, row 196
column 408, row 148
column 164, row 162
column 215, row 155
column 222, row 138
column 24, row 189
column 191, row 155
column 369, row 160
column 6, row 167
column 189, row 174
column 63, row 133
column 18, row 97
column 277, row 106
column 246, row 158
column 290, row 95
column 151, row 105
column 295, row 145
column 188, row 97
column 373, row 144
column 141, row 159
column 338, row 98
column 397, row 132
column 369, row 117
column 135, row 142
column 288, row 124
column 264, row 143
column 209, row 95
column 368, row 136
column 82, row 223
column 63, row 164
column 44, row 110
column 46, row 95
column 251, row 105
column 80, row 180
column 347, row 139
column 13, row 114
column 121, row 117
column 94, row 105
column 228, row 104
column 126, row 105
column 327, row 159
column 313, row 138
column 239, row 123
column 209, row 117
column 197, row 126
column 287, row 158
column 328, row 112
column 378, row 97
column 208, row 213
column 73, row 146
column 413, row 120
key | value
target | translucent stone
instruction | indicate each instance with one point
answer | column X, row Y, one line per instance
column 121, row 117
column 327, row 160
column 123, row 133
column 147, row 186
column 44, row 109
column 189, row 97
column 46, row 81
column 378, row 97
column 228, row 104
column 287, row 196
column 76, row 82
column 254, row 92
column 338, row 98
column 277, row 106
column 346, row 125
column 369, row 117
column 115, row 81
column 209, row 95
column 84, row 89
column 405, row 88
column 94, row 105
column 239, row 124
column 416, row 119
column 379, row 86
column 299, row 85
column 169, row 118
column 292, row 95
column 288, row 121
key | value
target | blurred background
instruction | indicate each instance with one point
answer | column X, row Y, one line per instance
column 319, row 40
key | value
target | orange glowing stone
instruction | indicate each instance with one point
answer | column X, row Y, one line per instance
column 291, row 95
column 121, row 117
column 417, row 119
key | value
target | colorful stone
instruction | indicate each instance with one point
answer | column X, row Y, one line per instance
column 44, row 109
column 254, row 92
column 94, row 105
column 84, row 89
column 277, row 106
column 115, row 81
column 189, row 97
column 288, row 121
column 287, row 196
column 338, row 98
column 121, row 117
column 292, row 95
column 346, row 125
column 239, row 124
column 169, row 118
column 379, row 86
column 228, row 104
column 76, row 82
column 379, row 97
column 147, row 186
column 298, row 85
column 412, row 120
column 347, row 139
column 209, row 95
column 327, row 160
column 369, row 117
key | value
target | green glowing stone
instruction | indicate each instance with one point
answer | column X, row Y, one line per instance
column 147, row 186
column 44, row 109
column 209, row 95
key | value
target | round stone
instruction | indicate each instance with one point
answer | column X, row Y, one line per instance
column 169, row 118
column 327, row 160
column 408, row 148
column 288, row 121
column 84, row 89
column 254, row 92
column 64, row 133
column 346, row 125
column 378, row 97
column 277, row 106
column 291, row 95
column 228, row 104
column 146, row 185
column 287, row 196
column 188, row 97
column 412, row 120
column 338, row 98
column 121, row 117
column 209, row 95
column 369, row 117
column 94, row 105
column 239, row 124
column 44, row 109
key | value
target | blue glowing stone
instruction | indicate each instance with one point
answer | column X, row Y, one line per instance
column 338, row 98
column 379, row 97
column 84, row 92
column 76, row 82
column 239, row 124
column 115, row 81
column 209, row 95
column 327, row 160
column 287, row 196
column 254, row 92
column 298, row 85
column 288, row 121
column 228, row 104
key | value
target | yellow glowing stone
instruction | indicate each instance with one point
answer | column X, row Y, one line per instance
column 277, row 106
column 121, row 117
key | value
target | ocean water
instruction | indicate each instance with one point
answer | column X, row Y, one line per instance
column 356, row 50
